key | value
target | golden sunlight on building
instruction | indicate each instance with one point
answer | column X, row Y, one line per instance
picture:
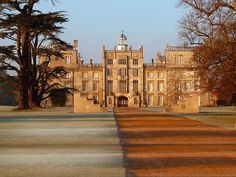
column 169, row 82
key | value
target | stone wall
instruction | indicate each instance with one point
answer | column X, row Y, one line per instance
column 190, row 104
column 84, row 105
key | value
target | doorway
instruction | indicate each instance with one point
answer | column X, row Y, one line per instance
column 122, row 101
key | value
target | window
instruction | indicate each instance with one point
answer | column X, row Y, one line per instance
column 177, row 86
column 68, row 75
column 160, row 75
column 95, row 86
column 95, row 98
column 160, row 100
column 135, row 61
column 67, row 60
column 110, row 62
column 109, row 101
column 160, row 87
column 122, row 61
column 150, row 75
column 122, row 85
column 197, row 85
column 150, row 87
column 135, row 72
column 109, row 72
column 135, row 101
column 187, row 86
column 122, row 72
column 109, row 86
column 135, row 85
column 178, row 61
column 84, row 75
column 95, row 75
column 150, row 100
column 84, row 86
column 68, row 85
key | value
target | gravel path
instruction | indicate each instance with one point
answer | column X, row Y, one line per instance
column 161, row 145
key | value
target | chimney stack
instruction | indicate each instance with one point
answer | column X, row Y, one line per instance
column 91, row 61
column 152, row 61
column 75, row 45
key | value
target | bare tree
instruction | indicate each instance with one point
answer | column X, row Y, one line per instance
column 210, row 26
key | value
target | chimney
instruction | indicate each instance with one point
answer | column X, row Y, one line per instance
column 75, row 45
column 91, row 61
column 152, row 61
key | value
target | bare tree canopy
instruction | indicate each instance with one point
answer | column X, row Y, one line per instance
column 32, row 33
column 210, row 26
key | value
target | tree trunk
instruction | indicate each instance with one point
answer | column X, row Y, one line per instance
column 25, row 100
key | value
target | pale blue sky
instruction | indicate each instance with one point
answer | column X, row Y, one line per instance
column 151, row 23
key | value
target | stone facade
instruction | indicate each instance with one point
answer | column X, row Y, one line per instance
column 124, row 80
column 70, row 62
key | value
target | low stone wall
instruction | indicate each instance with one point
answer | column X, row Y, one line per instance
column 189, row 105
column 84, row 105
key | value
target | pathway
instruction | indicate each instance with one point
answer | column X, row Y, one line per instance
column 164, row 145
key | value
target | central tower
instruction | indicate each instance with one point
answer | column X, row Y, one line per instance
column 123, row 44
column 123, row 75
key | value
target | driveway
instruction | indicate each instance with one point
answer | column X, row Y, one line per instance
column 162, row 145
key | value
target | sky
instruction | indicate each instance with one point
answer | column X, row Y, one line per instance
column 151, row 23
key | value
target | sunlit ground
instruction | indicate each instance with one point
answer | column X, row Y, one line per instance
column 162, row 145
column 220, row 116
column 57, row 143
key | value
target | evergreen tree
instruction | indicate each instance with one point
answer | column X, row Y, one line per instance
column 32, row 33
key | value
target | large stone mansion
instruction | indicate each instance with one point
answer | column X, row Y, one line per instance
column 124, row 80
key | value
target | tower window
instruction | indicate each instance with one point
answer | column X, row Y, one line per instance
column 109, row 72
column 122, row 85
column 122, row 61
column 110, row 86
column 135, row 61
column 135, row 72
column 110, row 62
column 122, row 72
column 135, row 85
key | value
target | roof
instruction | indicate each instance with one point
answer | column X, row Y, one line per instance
column 179, row 48
column 122, row 36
